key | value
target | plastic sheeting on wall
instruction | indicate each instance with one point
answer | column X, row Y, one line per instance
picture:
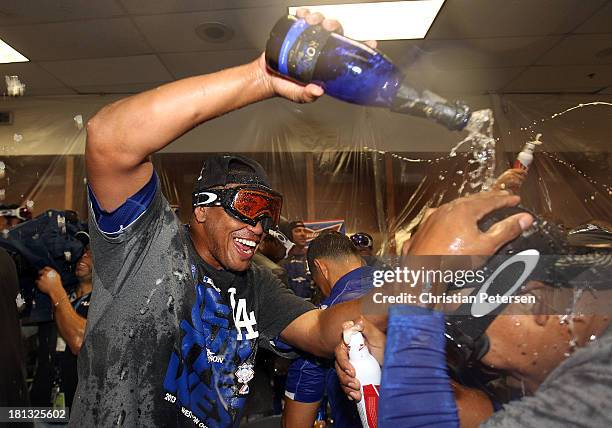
column 335, row 169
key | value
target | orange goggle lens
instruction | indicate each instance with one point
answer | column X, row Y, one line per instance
column 255, row 204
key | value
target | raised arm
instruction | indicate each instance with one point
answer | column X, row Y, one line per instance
column 122, row 135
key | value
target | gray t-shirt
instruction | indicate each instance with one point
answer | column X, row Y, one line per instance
column 170, row 341
column 578, row 393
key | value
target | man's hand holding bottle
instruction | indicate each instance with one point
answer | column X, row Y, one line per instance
column 286, row 88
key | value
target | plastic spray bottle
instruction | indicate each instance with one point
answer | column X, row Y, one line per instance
column 368, row 373
column 525, row 157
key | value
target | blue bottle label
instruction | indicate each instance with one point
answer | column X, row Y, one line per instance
column 301, row 49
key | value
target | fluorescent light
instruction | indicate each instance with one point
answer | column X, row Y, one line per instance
column 8, row 54
column 392, row 20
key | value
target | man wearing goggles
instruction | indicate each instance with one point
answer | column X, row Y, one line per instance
column 177, row 313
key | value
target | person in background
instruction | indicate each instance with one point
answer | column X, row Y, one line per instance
column 70, row 315
column 365, row 244
column 298, row 275
column 269, row 252
column 13, row 390
column 341, row 275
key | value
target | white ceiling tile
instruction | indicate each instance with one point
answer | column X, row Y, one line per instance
column 60, row 90
column 579, row 49
column 563, row 78
column 233, row 4
column 146, row 7
column 109, row 71
column 469, row 82
column 32, row 75
column 503, row 18
column 176, row 32
column 14, row 12
column 486, row 53
column 128, row 88
column 402, row 52
column 72, row 40
column 600, row 22
column 187, row 64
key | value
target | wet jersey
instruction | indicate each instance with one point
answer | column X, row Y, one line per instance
column 170, row 340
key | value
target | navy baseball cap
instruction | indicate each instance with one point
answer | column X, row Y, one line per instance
column 220, row 170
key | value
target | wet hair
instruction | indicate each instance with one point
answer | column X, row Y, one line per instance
column 330, row 245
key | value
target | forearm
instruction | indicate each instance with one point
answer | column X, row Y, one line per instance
column 416, row 388
column 70, row 325
column 331, row 320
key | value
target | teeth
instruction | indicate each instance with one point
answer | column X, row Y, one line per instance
column 246, row 242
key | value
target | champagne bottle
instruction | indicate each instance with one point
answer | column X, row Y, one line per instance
column 353, row 72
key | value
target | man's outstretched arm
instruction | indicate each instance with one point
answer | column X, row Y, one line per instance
column 122, row 135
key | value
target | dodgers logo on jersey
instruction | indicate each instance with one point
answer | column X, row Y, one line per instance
column 207, row 378
column 241, row 318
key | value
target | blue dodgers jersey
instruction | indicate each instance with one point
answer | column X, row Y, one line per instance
column 310, row 377
column 208, row 375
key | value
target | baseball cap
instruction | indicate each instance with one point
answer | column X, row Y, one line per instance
column 286, row 228
column 220, row 170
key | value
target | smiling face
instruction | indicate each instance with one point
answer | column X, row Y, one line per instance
column 223, row 241
column 84, row 266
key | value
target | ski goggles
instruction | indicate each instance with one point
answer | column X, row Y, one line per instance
column 249, row 204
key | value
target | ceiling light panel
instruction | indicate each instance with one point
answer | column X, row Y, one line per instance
column 397, row 20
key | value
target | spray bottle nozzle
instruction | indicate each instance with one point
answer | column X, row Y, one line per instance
column 530, row 145
column 537, row 140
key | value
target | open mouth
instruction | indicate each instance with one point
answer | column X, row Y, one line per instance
column 246, row 247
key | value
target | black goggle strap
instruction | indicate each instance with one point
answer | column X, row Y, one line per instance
column 467, row 335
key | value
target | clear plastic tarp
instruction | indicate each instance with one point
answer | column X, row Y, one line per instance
column 374, row 169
